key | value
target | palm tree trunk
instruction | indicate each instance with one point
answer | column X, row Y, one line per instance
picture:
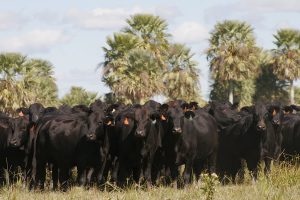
column 230, row 91
column 292, row 92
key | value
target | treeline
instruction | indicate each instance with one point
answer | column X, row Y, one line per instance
column 142, row 61
column 24, row 81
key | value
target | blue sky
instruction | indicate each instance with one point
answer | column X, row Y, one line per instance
column 70, row 33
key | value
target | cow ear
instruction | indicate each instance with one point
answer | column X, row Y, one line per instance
column 189, row 115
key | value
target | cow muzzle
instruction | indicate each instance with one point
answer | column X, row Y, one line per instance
column 140, row 133
column 91, row 137
column 276, row 122
column 261, row 127
column 177, row 130
column 14, row 143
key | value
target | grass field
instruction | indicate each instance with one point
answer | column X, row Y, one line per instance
column 282, row 183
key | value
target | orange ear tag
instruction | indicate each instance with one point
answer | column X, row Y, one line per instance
column 126, row 122
column 274, row 113
column 108, row 123
column 162, row 117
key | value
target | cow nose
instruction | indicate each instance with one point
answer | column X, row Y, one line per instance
column 13, row 143
column 140, row 133
column 177, row 130
column 261, row 127
column 91, row 136
column 276, row 122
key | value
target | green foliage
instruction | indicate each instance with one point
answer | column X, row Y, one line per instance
column 233, row 54
column 286, row 57
column 297, row 95
column 78, row 95
column 269, row 87
column 182, row 79
column 24, row 81
column 139, row 60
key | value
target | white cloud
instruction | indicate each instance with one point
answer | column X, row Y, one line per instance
column 114, row 18
column 167, row 12
column 253, row 11
column 101, row 18
column 33, row 41
column 190, row 33
column 9, row 20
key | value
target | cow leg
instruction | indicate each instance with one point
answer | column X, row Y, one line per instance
column 81, row 176
column 198, row 168
column 187, row 174
column 41, row 174
column 115, row 171
column 267, row 168
column 147, row 173
column 212, row 160
column 63, row 178
column 55, row 177
column 253, row 168
column 123, row 174
column 90, row 177
column 136, row 172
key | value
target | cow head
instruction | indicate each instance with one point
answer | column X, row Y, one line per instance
column 276, row 113
column 224, row 112
column 36, row 110
column 145, row 117
column 20, row 126
column 261, row 114
column 174, row 115
column 95, row 124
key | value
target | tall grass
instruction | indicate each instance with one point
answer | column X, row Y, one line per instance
column 282, row 183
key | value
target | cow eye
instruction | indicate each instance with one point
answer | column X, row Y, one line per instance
column 100, row 122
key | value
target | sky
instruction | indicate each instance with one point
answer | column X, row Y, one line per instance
column 71, row 33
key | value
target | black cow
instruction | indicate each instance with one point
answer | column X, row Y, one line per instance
column 197, row 146
column 56, row 143
column 130, row 144
column 5, row 132
column 150, row 128
column 290, row 132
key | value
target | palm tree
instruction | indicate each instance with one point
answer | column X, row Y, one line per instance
column 39, row 81
column 152, row 31
column 136, row 80
column 286, row 57
column 182, row 79
column 24, row 81
column 232, row 55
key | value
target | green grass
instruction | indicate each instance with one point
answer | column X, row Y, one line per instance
column 283, row 183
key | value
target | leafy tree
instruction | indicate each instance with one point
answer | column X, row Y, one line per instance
column 181, row 80
column 136, row 80
column 24, row 81
column 268, row 86
column 233, row 54
column 78, row 95
column 286, row 57
column 152, row 32
column 139, row 60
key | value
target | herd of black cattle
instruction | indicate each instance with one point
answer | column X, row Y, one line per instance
column 144, row 143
